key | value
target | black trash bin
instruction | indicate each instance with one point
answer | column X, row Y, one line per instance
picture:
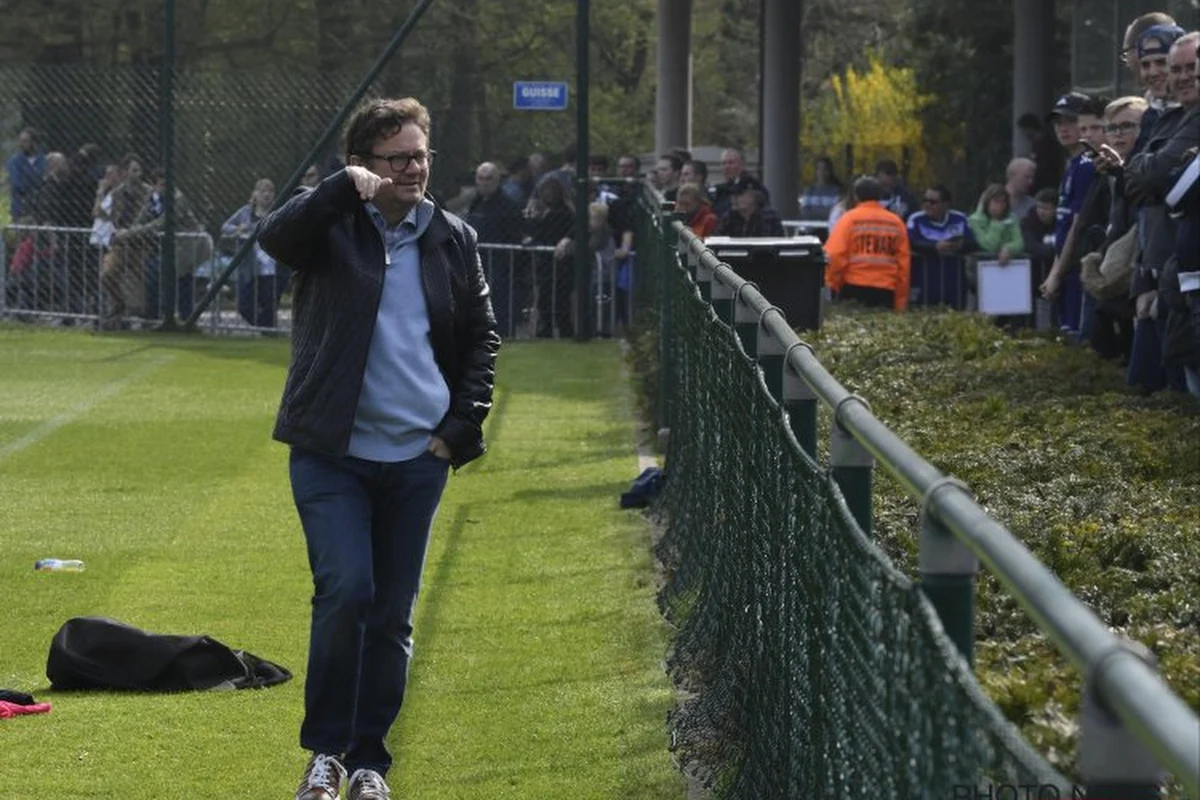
column 789, row 272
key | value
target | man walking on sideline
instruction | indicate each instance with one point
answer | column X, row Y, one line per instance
column 393, row 353
column 869, row 257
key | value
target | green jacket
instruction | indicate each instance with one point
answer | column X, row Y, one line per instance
column 993, row 235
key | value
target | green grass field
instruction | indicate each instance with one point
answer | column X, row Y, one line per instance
column 538, row 646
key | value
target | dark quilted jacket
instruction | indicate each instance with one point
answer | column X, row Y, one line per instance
column 327, row 237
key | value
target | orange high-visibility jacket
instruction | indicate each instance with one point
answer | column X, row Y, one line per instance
column 869, row 247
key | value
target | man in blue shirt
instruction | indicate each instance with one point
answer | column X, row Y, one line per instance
column 393, row 354
column 1073, row 116
column 26, row 169
column 939, row 237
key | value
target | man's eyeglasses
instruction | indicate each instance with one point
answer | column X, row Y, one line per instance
column 1121, row 127
column 399, row 161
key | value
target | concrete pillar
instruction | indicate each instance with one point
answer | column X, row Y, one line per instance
column 781, row 104
column 1033, row 63
column 673, row 100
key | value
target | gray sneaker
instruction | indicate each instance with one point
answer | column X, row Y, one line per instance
column 323, row 779
column 367, row 784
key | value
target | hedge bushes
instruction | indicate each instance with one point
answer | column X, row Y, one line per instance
column 1103, row 485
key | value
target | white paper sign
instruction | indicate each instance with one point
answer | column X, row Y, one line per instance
column 1005, row 289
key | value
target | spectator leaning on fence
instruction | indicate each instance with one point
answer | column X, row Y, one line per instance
column 1106, row 270
column 750, row 215
column 997, row 230
column 259, row 283
column 1148, row 40
column 939, row 237
column 868, row 252
column 1085, row 231
column 553, row 225
column 1063, row 282
column 1037, row 231
column 692, row 203
column 1159, row 353
column 25, row 168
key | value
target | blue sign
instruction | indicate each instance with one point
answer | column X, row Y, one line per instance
column 540, row 95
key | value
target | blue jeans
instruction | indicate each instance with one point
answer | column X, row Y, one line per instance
column 367, row 526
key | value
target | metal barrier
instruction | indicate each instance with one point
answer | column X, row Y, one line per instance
column 58, row 274
column 1133, row 726
column 66, row 274
column 532, row 292
column 806, row 227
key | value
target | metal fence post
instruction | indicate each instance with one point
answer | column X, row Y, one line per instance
column 667, row 256
column 704, row 280
column 948, row 569
column 770, row 356
column 745, row 323
column 1112, row 762
column 166, row 110
column 583, row 271
column 721, row 297
column 852, row 467
column 802, row 404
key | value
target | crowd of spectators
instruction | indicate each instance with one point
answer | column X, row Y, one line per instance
column 1106, row 213
column 87, row 239
column 1099, row 206
column 526, row 228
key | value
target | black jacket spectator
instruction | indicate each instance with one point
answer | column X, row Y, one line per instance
column 722, row 194
column 495, row 218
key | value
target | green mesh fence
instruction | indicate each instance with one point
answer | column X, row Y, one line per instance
column 809, row 666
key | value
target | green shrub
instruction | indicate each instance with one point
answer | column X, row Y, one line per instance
column 1102, row 485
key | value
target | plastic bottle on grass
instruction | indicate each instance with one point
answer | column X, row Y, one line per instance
column 59, row 565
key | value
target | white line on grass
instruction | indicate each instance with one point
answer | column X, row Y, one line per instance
column 71, row 414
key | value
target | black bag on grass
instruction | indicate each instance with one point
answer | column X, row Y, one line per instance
column 99, row 653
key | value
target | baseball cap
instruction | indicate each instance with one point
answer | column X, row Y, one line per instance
column 746, row 182
column 1070, row 105
column 1157, row 40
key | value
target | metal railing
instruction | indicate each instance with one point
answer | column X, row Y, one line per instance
column 64, row 274
column 1132, row 724
column 532, row 292
column 59, row 273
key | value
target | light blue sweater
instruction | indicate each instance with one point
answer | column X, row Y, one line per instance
column 404, row 395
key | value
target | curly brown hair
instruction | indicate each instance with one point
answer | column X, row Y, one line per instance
column 381, row 118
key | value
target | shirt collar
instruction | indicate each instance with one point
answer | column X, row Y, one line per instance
column 416, row 218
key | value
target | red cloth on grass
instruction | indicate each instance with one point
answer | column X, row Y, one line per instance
column 8, row 709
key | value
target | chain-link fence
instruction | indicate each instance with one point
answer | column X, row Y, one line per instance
column 812, row 667
column 808, row 665
column 85, row 240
